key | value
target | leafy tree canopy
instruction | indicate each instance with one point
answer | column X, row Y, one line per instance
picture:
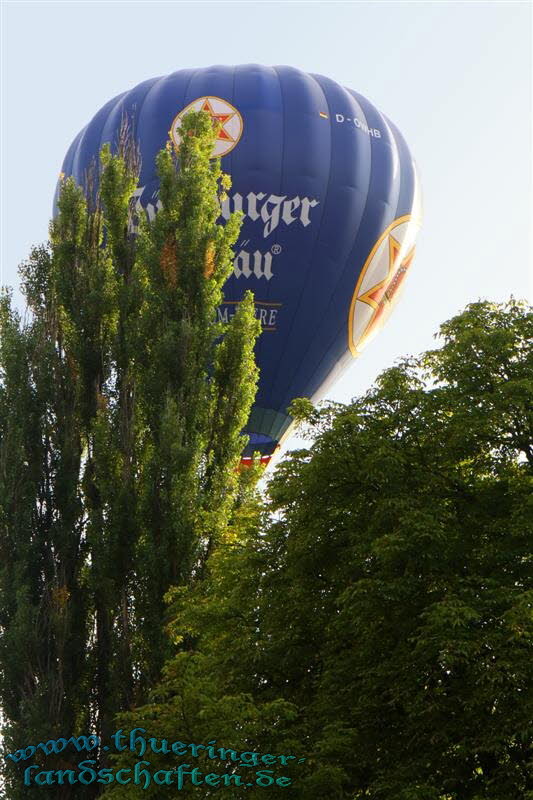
column 375, row 615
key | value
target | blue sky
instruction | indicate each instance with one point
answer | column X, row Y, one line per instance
column 454, row 76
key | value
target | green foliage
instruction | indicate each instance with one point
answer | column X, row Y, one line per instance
column 381, row 603
column 373, row 614
column 209, row 688
column 121, row 406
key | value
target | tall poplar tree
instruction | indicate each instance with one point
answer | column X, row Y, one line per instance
column 121, row 406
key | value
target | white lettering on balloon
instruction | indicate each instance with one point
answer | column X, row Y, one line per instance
column 257, row 264
column 269, row 210
column 375, row 132
column 256, row 206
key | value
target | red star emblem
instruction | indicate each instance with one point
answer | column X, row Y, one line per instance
column 380, row 296
column 222, row 118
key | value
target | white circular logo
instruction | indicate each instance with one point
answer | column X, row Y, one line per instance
column 230, row 120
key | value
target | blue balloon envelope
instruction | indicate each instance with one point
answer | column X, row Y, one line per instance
column 331, row 205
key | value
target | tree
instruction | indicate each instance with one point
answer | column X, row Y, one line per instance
column 376, row 618
column 121, row 406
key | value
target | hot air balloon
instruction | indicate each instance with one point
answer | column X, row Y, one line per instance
column 331, row 205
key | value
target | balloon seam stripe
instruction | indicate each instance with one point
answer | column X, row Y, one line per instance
column 346, row 266
column 315, row 241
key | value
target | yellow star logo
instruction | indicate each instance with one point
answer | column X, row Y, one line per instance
column 381, row 295
column 225, row 118
column 222, row 118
